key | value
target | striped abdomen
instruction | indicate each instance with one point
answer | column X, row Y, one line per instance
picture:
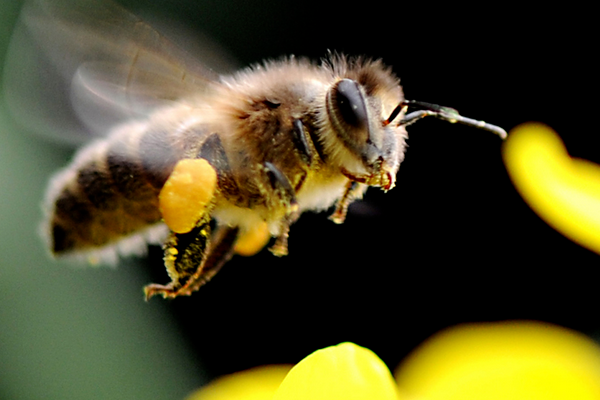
column 111, row 189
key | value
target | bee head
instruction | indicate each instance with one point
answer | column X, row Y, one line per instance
column 373, row 148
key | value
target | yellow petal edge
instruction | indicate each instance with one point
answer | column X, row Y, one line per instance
column 258, row 383
column 517, row 360
column 345, row 372
column 563, row 191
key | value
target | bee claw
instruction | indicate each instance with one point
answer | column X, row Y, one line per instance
column 166, row 291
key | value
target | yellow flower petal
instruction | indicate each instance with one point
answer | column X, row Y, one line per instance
column 259, row 383
column 345, row 372
column 508, row 361
column 563, row 191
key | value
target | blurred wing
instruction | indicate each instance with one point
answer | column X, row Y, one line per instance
column 93, row 62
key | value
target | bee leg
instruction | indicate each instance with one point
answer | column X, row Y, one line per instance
column 385, row 180
column 301, row 141
column 193, row 258
column 352, row 192
column 184, row 253
column 281, row 185
column 280, row 247
column 221, row 249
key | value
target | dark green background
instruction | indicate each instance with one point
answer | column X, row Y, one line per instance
column 453, row 242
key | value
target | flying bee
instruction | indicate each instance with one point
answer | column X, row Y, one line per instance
column 209, row 165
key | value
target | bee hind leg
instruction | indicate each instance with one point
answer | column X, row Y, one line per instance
column 220, row 251
column 193, row 258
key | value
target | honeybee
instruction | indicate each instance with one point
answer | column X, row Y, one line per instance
column 211, row 166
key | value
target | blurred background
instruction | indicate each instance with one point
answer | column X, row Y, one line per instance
column 452, row 243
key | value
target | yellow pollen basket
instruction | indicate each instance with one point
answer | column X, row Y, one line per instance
column 186, row 194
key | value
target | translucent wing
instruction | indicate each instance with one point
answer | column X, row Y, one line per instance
column 92, row 62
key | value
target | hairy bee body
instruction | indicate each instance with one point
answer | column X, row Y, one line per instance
column 207, row 165
column 268, row 132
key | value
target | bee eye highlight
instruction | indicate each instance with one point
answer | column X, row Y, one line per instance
column 349, row 104
column 348, row 113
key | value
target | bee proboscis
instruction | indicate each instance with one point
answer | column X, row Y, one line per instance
column 219, row 165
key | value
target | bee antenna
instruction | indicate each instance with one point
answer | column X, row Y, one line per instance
column 445, row 113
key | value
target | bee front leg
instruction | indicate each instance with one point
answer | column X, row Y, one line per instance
column 353, row 191
column 384, row 179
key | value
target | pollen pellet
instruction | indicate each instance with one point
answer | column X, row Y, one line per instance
column 251, row 242
column 186, row 194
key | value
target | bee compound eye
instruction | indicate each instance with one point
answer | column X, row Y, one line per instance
column 349, row 105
